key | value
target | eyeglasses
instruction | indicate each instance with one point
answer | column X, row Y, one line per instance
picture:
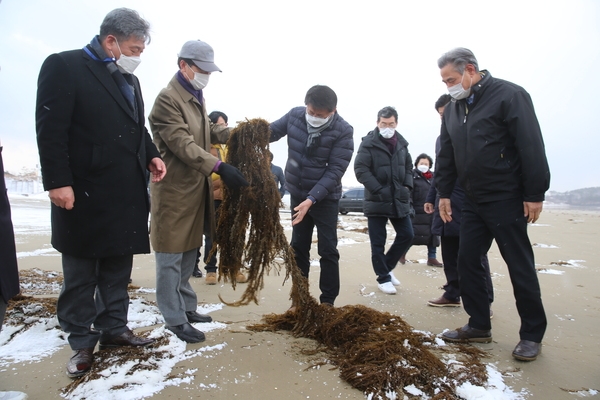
column 387, row 125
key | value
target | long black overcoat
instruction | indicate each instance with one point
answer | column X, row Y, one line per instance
column 89, row 138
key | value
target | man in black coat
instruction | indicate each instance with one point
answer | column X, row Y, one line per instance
column 320, row 146
column 384, row 166
column 491, row 141
column 94, row 152
column 449, row 234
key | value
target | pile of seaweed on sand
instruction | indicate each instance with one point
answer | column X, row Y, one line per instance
column 376, row 352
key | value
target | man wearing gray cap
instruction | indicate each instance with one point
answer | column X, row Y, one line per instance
column 182, row 203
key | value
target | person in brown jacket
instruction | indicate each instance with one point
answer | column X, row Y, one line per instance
column 183, row 201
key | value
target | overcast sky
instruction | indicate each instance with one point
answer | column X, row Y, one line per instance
column 374, row 54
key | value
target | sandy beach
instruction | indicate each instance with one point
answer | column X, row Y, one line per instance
column 273, row 366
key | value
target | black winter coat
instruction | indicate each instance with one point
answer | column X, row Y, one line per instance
column 421, row 221
column 387, row 177
column 9, row 272
column 89, row 138
column 493, row 146
column 319, row 176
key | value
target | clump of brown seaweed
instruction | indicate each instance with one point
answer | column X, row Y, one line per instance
column 376, row 352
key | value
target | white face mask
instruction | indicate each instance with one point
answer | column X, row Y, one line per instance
column 387, row 133
column 316, row 121
column 200, row 80
column 127, row 64
column 423, row 168
column 458, row 92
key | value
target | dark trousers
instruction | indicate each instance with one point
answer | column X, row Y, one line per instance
column 211, row 264
column 323, row 215
column 450, row 246
column 94, row 292
column 384, row 262
column 504, row 222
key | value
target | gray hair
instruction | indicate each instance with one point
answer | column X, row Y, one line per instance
column 459, row 58
column 124, row 23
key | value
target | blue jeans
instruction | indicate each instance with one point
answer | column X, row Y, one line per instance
column 384, row 263
column 323, row 215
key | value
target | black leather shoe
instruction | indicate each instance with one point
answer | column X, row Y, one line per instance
column 527, row 350
column 197, row 273
column 187, row 333
column 126, row 338
column 80, row 362
column 193, row 316
column 467, row 334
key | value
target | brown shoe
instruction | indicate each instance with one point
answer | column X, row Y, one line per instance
column 443, row 302
column 127, row 338
column 80, row 362
column 467, row 334
column 241, row 278
column 527, row 350
column 403, row 260
column 211, row 278
column 433, row 262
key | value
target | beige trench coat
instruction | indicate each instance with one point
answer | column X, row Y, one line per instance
column 183, row 200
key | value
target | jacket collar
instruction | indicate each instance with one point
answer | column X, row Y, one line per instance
column 102, row 73
column 372, row 139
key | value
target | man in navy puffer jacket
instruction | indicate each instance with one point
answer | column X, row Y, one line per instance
column 320, row 146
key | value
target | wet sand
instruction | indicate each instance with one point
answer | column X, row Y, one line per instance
column 272, row 365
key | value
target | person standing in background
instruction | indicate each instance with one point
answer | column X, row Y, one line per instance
column 449, row 234
column 384, row 166
column 422, row 178
column 278, row 175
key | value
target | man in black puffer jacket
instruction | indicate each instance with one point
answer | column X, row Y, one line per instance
column 384, row 166
column 320, row 148
column 491, row 141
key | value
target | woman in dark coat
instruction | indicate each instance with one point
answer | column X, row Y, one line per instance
column 422, row 178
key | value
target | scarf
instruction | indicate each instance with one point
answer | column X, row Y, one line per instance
column 188, row 86
column 97, row 53
column 390, row 143
column 427, row 175
column 313, row 141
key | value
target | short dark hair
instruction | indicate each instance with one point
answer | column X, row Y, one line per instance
column 321, row 97
column 124, row 23
column 443, row 101
column 387, row 112
column 270, row 155
column 214, row 116
column 422, row 156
